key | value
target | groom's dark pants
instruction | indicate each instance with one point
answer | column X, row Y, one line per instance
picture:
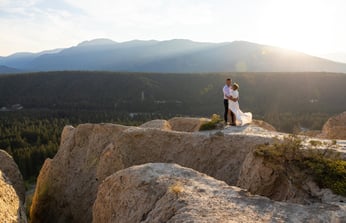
column 225, row 116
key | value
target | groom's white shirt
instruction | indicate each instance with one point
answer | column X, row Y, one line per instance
column 226, row 91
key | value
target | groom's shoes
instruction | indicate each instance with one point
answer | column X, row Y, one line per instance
column 232, row 124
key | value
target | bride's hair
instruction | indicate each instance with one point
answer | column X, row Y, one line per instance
column 236, row 86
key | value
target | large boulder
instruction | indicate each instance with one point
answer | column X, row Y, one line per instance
column 11, row 170
column 67, row 184
column 157, row 124
column 263, row 125
column 171, row 193
column 12, row 191
column 187, row 124
column 335, row 127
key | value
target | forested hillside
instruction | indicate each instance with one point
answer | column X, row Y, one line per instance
column 34, row 135
column 198, row 94
column 51, row 100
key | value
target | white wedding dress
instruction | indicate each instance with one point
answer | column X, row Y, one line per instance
column 241, row 117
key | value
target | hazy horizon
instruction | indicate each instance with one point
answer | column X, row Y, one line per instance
column 312, row 27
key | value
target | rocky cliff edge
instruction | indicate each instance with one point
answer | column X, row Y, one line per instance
column 68, row 184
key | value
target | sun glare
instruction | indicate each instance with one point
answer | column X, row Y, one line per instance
column 297, row 25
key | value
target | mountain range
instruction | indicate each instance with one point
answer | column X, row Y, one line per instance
column 174, row 56
column 8, row 70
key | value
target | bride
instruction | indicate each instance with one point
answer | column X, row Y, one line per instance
column 233, row 105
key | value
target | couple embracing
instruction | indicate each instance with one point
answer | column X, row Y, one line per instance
column 231, row 104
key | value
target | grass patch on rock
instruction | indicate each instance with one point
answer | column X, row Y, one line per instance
column 176, row 188
column 212, row 124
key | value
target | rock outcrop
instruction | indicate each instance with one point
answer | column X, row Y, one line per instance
column 335, row 127
column 171, row 193
column 12, row 173
column 186, row 124
column 67, row 185
column 263, row 124
column 264, row 178
column 12, row 191
column 157, row 124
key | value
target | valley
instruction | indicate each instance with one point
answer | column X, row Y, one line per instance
column 291, row 102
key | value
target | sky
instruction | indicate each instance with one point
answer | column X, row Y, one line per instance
column 316, row 27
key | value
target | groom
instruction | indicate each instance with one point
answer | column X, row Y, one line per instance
column 227, row 96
